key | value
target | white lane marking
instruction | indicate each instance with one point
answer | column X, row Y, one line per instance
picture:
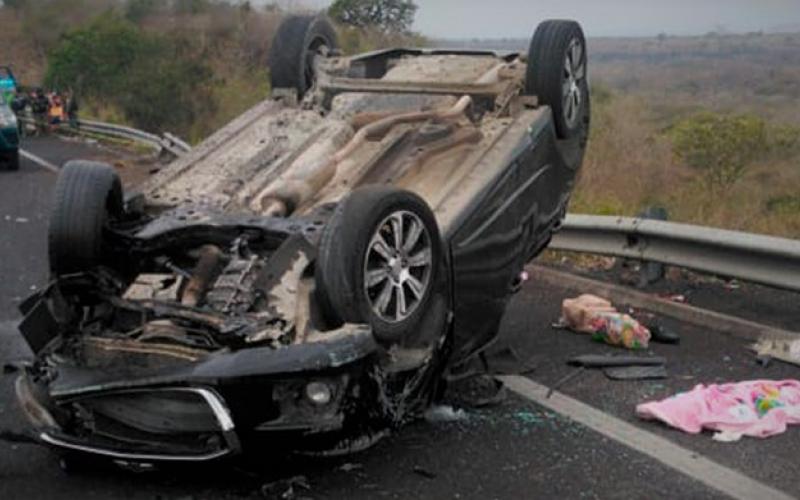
column 39, row 161
column 690, row 463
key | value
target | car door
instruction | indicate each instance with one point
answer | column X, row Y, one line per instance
column 505, row 227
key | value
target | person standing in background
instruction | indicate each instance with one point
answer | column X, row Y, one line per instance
column 18, row 104
column 72, row 108
column 56, row 112
column 40, row 106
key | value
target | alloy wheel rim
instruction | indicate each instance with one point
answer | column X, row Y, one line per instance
column 574, row 74
column 397, row 266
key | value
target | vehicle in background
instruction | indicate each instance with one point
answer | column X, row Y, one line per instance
column 8, row 82
column 9, row 136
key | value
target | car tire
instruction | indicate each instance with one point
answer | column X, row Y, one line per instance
column 557, row 75
column 389, row 285
column 298, row 41
column 13, row 160
column 87, row 196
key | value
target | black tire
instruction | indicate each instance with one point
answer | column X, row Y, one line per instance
column 345, row 252
column 291, row 58
column 552, row 49
column 13, row 160
column 88, row 195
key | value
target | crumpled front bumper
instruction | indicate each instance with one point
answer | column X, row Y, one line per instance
column 203, row 411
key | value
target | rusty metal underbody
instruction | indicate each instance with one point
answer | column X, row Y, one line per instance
column 430, row 124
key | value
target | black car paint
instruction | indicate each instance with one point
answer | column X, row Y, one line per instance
column 502, row 231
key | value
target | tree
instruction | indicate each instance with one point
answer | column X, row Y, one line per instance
column 720, row 146
column 94, row 60
column 389, row 16
column 150, row 78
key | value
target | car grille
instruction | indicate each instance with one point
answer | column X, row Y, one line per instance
column 175, row 424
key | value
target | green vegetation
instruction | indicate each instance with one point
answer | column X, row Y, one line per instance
column 720, row 146
column 140, row 74
column 184, row 66
column 387, row 16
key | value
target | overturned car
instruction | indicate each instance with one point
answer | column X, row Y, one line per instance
column 305, row 277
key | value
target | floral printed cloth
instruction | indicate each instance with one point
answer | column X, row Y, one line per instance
column 759, row 408
column 599, row 318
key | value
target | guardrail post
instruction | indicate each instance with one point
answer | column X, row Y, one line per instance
column 652, row 272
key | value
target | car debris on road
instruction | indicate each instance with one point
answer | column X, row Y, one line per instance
column 786, row 350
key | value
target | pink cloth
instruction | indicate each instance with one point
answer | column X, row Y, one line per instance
column 759, row 408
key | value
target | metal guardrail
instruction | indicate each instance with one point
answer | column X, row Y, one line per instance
column 160, row 144
column 751, row 257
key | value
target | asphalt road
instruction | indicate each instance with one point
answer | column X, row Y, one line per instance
column 512, row 450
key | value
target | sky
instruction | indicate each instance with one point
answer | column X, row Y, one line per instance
column 518, row 18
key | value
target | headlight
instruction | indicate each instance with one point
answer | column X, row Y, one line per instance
column 7, row 119
column 319, row 393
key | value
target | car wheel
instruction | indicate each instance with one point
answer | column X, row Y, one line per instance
column 13, row 161
column 557, row 75
column 299, row 41
column 379, row 261
column 88, row 195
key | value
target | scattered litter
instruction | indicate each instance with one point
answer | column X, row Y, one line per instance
column 599, row 318
column 609, row 361
column 676, row 297
column 571, row 375
column 443, row 413
column 636, row 373
column 759, row 408
column 350, row 467
column 732, row 285
column 21, row 220
column 285, row 489
column 663, row 335
column 783, row 349
column 424, row 472
column 617, row 366
column 527, row 417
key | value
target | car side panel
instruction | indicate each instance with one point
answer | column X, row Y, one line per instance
column 506, row 227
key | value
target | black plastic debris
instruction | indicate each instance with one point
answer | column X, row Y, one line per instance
column 606, row 361
column 616, row 368
column 663, row 335
column 636, row 372
column 424, row 472
column 285, row 489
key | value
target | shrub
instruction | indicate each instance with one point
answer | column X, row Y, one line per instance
column 720, row 146
column 148, row 77
column 389, row 16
